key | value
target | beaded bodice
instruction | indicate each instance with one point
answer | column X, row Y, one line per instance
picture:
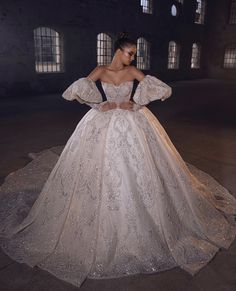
column 118, row 93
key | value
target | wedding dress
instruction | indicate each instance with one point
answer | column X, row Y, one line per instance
column 117, row 199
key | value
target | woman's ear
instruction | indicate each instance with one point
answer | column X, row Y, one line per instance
column 119, row 50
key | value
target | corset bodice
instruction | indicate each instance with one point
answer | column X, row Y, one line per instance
column 118, row 94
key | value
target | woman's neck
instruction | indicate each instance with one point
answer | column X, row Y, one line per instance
column 116, row 65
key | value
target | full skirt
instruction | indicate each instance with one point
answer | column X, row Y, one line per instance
column 116, row 200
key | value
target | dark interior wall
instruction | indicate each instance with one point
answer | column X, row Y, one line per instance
column 218, row 35
column 79, row 22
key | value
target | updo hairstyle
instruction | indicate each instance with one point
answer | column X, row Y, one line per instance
column 123, row 41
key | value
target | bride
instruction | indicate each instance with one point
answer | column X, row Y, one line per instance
column 118, row 199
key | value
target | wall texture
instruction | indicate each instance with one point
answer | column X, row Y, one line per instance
column 218, row 35
column 79, row 22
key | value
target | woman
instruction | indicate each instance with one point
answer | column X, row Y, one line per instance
column 119, row 199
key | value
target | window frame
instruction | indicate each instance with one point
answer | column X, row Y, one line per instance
column 41, row 51
column 147, row 57
column 197, row 56
column 230, row 46
column 178, row 49
column 202, row 14
column 231, row 9
column 109, row 48
column 149, row 7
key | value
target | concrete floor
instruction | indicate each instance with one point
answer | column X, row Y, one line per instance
column 199, row 118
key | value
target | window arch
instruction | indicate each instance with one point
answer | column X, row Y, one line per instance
column 181, row 1
column 200, row 12
column 174, row 10
column 143, row 54
column 173, row 55
column 230, row 57
column 232, row 17
column 196, row 55
column 147, row 6
column 104, row 49
column 48, row 50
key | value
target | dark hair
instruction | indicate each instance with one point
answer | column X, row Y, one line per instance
column 122, row 41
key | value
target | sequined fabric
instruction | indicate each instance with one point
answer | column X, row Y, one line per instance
column 83, row 90
column 116, row 200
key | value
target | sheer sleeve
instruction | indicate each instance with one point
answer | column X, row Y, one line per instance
column 150, row 89
column 84, row 90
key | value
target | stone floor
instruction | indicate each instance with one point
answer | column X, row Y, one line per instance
column 199, row 118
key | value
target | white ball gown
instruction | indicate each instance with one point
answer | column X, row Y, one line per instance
column 117, row 200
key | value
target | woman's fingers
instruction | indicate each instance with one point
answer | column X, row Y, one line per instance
column 126, row 105
column 112, row 105
column 108, row 106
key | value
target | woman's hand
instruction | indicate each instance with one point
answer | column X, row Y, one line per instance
column 128, row 105
column 108, row 106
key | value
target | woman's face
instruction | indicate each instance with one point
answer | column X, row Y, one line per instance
column 127, row 54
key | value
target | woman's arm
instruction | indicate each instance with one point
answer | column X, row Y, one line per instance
column 136, row 73
column 96, row 73
column 94, row 76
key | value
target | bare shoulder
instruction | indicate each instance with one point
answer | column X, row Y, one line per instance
column 136, row 73
column 96, row 73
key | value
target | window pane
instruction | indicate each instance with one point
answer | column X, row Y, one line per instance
column 173, row 55
column 230, row 57
column 48, row 50
column 147, row 6
column 196, row 54
column 200, row 12
column 143, row 54
column 173, row 10
column 232, row 18
column 104, row 49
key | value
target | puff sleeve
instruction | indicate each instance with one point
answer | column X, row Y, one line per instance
column 84, row 90
column 150, row 89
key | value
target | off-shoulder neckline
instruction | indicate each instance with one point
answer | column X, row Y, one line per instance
column 120, row 83
column 117, row 85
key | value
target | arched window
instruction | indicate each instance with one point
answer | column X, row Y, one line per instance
column 104, row 49
column 230, row 57
column 143, row 54
column 174, row 10
column 196, row 55
column 232, row 17
column 200, row 11
column 147, row 6
column 173, row 55
column 48, row 50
